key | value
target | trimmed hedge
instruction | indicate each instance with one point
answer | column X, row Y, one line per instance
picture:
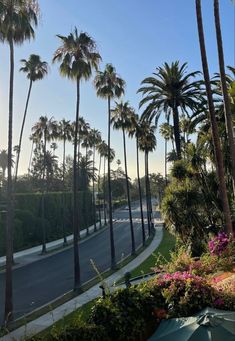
column 58, row 208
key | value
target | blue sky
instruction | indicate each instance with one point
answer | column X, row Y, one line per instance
column 135, row 36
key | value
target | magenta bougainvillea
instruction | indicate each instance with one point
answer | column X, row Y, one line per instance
column 218, row 244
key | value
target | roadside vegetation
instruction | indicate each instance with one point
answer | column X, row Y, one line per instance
column 196, row 194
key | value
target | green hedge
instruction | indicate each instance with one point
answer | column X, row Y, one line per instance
column 58, row 208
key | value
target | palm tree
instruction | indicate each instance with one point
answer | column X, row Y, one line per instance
column 102, row 150
column 35, row 70
column 227, row 107
column 167, row 134
column 121, row 120
column 78, row 56
column 109, row 85
column 45, row 130
column 17, row 19
column 3, row 162
column 169, row 90
column 134, row 130
column 64, row 134
column 214, row 127
column 95, row 137
column 147, row 143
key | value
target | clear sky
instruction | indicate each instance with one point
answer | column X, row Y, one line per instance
column 135, row 36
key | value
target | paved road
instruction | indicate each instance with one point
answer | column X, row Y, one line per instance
column 40, row 282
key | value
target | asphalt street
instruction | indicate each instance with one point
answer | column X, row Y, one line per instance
column 40, row 282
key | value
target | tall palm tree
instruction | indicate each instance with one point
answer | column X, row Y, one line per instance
column 35, row 69
column 214, row 127
column 109, row 85
column 227, row 107
column 121, row 120
column 166, row 132
column 147, row 143
column 168, row 90
column 64, row 134
column 45, row 130
column 3, row 162
column 134, row 130
column 102, row 150
column 95, row 137
column 17, row 21
column 78, row 56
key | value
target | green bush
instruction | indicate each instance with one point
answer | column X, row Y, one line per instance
column 125, row 314
column 58, row 209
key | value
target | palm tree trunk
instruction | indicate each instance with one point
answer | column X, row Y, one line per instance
column 104, row 196
column 30, row 158
column 128, row 196
column 149, row 194
column 166, row 161
column 43, row 197
column 63, row 196
column 84, row 197
column 146, row 191
column 93, row 189
column 77, row 278
column 99, row 191
column 177, row 132
column 214, row 127
column 227, row 107
column 22, row 129
column 140, row 191
column 10, row 207
column 112, row 246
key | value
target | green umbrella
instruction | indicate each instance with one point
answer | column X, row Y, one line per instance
column 208, row 325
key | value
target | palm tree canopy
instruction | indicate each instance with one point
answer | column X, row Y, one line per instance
column 170, row 87
column 95, row 137
column 166, row 130
column 121, row 116
column 78, row 55
column 17, row 19
column 108, row 83
column 34, row 67
column 46, row 128
column 65, row 130
column 147, row 138
column 103, row 151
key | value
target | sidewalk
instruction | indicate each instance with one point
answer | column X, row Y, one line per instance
column 45, row 321
column 33, row 254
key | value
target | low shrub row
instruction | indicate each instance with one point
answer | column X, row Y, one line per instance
column 57, row 216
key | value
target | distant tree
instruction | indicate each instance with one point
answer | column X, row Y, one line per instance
column 35, row 70
column 109, row 86
column 121, row 120
column 147, row 143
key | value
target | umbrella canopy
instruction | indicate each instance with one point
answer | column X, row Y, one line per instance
column 208, row 325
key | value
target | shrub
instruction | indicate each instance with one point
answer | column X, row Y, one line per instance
column 125, row 314
column 184, row 293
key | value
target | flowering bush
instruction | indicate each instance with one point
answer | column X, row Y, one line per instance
column 184, row 293
column 218, row 244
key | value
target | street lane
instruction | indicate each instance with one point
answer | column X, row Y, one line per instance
column 40, row 282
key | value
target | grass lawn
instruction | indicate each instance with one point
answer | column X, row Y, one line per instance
column 166, row 245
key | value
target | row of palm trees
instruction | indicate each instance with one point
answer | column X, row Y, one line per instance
column 78, row 57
